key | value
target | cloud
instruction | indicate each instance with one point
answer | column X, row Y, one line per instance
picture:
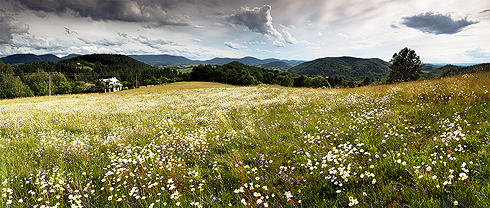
column 341, row 35
column 477, row 53
column 287, row 37
column 485, row 11
column 197, row 40
column 68, row 31
column 279, row 44
column 435, row 23
column 257, row 42
column 124, row 35
column 394, row 25
column 258, row 20
column 154, row 43
column 235, row 46
column 103, row 42
column 263, row 51
column 38, row 43
column 9, row 26
column 152, row 13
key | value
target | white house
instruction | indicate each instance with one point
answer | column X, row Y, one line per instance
column 113, row 84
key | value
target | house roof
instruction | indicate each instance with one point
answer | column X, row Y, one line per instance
column 113, row 81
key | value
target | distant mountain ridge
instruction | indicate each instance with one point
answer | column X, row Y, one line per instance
column 350, row 68
column 155, row 60
column 17, row 59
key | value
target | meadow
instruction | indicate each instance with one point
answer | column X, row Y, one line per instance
column 190, row 144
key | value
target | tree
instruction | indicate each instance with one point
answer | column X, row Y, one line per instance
column 11, row 86
column 366, row 82
column 79, row 87
column 405, row 66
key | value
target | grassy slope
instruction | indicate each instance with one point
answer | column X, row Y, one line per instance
column 380, row 146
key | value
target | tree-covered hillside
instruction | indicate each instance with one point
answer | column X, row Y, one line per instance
column 350, row 68
column 79, row 74
column 452, row 70
column 26, row 58
column 277, row 65
column 158, row 60
column 236, row 73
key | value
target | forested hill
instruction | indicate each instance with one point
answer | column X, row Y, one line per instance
column 73, row 75
column 28, row 58
column 453, row 70
column 18, row 59
column 121, row 63
column 350, row 68
column 123, row 67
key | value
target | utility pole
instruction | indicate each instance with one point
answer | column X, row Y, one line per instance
column 49, row 74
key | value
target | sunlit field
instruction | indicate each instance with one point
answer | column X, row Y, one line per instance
column 417, row 144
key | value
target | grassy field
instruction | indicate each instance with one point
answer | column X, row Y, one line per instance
column 416, row 144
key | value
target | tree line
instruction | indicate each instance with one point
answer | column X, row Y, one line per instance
column 236, row 73
column 80, row 75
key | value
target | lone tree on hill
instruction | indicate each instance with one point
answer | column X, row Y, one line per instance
column 405, row 66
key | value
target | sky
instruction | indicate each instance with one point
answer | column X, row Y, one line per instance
column 439, row 31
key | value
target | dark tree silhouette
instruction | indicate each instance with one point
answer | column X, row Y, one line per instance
column 405, row 66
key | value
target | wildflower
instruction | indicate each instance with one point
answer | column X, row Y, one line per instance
column 259, row 201
column 456, row 203
column 364, row 193
column 463, row 176
column 288, row 195
column 109, row 198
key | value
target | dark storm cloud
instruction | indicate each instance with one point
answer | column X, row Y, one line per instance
column 437, row 24
column 157, row 13
column 10, row 26
column 256, row 19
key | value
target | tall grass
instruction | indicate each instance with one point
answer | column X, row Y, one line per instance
column 417, row 144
